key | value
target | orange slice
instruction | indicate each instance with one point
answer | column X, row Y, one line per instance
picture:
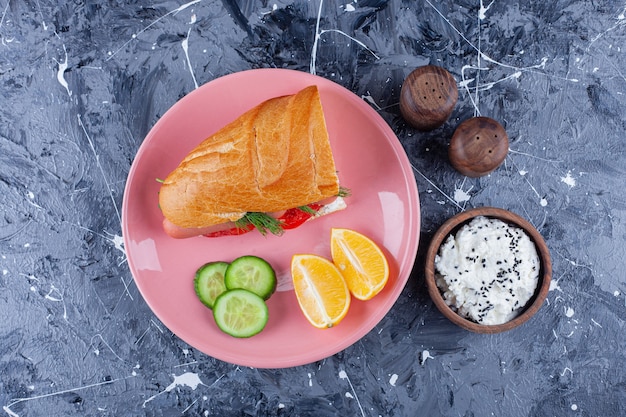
column 321, row 290
column 361, row 262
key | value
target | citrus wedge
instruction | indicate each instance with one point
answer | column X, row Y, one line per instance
column 361, row 262
column 320, row 289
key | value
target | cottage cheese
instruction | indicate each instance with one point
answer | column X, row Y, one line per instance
column 488, row 271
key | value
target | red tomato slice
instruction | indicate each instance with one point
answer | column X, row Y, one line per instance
column 291, row 219
column 295, row 217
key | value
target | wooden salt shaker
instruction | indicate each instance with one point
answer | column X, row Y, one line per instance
column 427, row 97
column 478, row 146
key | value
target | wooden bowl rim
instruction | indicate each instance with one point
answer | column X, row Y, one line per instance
column 456, row 222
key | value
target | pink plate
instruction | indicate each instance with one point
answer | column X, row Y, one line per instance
column 384, row 205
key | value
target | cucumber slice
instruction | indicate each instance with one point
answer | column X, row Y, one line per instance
column 253, row 274
column 209, row 282
column 240, row 313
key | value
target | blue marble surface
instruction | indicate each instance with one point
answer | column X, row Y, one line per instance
column 82, row 83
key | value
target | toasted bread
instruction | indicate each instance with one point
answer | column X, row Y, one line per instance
column 274, row 157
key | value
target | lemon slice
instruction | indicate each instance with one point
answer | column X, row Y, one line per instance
column 320, row 289
column 361, row 262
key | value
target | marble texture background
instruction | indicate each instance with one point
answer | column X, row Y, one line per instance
column 81, row 84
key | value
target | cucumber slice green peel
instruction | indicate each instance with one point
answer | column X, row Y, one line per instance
column 253, row 274
column 236, row 293
column 209, row 282
column 240, row 313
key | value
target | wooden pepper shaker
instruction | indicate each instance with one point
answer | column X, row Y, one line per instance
column 427, row 97
column 478, row 146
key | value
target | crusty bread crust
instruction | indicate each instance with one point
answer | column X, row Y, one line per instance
column 274, row 157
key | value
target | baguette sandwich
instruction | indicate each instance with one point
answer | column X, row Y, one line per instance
column 271, row 169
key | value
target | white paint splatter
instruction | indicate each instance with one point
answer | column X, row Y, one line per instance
column 49, row 296
column 344, row 375
column 554, row 285
column 7, row 408
column 9, row 412
column 461, row 196
column 4, row 13
column 465, row 82
column 371, row 101
column 426, row 355
column 154, row 22
column 543, row 202
column 318, row 35
column 432, row 184
column 61, row 73
column 185, row 45
column 97, row 158
column 310, row 379
column 31, row 277
column 523, row 172
column 569, row 312
column 393, row 380
column 97, row 351
column 57, row 297
column 349, row 8
column 118, row 242
column 483, row 10
column 569, row 180
column 188, row 379
column 574, row 407
column 616, row 293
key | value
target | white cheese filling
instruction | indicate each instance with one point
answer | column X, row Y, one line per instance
column 488, row 271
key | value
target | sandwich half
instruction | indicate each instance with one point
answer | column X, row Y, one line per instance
column 274, row 158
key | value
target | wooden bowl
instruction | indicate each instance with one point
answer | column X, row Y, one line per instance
column 451, row 226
